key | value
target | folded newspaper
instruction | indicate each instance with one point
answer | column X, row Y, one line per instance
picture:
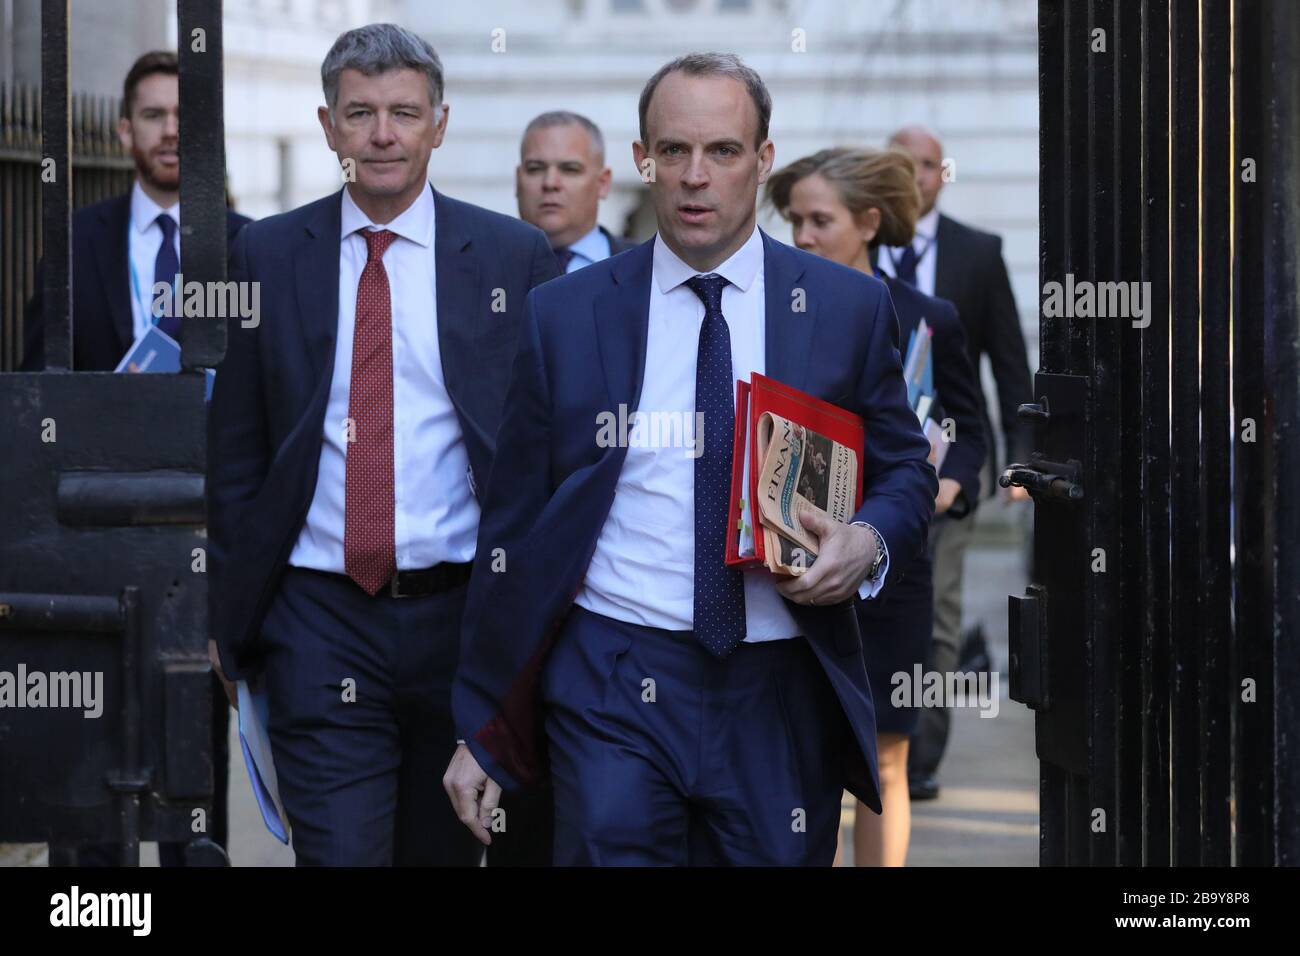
column 799, row 468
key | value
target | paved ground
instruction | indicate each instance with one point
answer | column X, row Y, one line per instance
column 987, row 811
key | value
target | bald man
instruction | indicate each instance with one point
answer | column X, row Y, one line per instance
column 953, row 261
column 559, row 183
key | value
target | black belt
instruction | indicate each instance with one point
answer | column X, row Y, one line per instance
column 426, row 581
column 414, row 584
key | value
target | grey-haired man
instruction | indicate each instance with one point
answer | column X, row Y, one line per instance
column 350, row 429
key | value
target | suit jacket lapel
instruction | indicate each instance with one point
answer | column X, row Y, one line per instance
column 620, row 323
column 316, row 271
column 908, row 320
column 456, row 277
column 113, row 259
column 788, row 332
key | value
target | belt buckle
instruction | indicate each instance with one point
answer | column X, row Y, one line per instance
column 394, row 588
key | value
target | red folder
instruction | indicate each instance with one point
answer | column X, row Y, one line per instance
column 753, row 398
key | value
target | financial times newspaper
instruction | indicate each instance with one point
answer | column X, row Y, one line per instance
column 799, row 468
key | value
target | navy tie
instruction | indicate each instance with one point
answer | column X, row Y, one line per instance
column 719, row 589
column 905, row 266
column 165, row 268
column 563, row 255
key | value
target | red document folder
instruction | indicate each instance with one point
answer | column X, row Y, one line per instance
column 753, row 398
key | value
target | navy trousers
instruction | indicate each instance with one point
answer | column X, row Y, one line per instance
column 663, row 755
column 359, row 694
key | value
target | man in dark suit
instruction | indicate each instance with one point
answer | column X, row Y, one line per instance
column 953, row 261
column 559, row 182
column 120, row 248
column 117, row 244
column 694, row 714
column 350, row 429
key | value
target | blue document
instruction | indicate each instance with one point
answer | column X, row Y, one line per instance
column 256, row 745
column 156, row 351
column 918, row 367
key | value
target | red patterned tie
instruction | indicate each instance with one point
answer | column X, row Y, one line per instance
column 368, row 553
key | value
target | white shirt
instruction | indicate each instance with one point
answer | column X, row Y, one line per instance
column 592, row 247
column 926, row 244
column 435, row 513
column 143, row 240
column 643, row 567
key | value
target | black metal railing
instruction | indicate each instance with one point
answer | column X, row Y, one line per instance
column 1170, row 154
column 101, row 169
column 73, row 535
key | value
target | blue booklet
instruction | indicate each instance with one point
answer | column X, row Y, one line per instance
column 256, row 745
column 918, row 372
column 918, row 367
column 156, row 351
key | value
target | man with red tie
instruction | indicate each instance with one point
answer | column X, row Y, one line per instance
column 351, row 428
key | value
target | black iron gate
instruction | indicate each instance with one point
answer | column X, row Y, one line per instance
column 102, row 544
column 1160, row 638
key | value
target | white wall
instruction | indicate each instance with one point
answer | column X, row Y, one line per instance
column 968, row 68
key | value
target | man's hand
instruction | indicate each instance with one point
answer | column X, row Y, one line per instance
column 231, row 694
column 474, row 794
column 1014, row 493
column 844, row 555
column 949, row 489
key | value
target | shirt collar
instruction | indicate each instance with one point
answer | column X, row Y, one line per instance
column 145, row 212
column 414, row 223
column 928, row 225
column 740, row 269
column 592, row 246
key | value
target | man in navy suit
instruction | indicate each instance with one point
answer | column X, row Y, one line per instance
column 120, row 248
column 559, row 182
column 350, row 430
column 694, row 714
column 117, row 244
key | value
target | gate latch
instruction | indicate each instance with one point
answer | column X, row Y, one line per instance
column 1057, row 418
column 1051, row 480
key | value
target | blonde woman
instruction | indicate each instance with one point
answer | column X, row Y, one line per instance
column 842, row 203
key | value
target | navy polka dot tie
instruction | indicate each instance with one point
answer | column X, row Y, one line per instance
column 719, row 589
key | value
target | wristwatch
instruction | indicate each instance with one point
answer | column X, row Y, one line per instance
column 874, row 571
